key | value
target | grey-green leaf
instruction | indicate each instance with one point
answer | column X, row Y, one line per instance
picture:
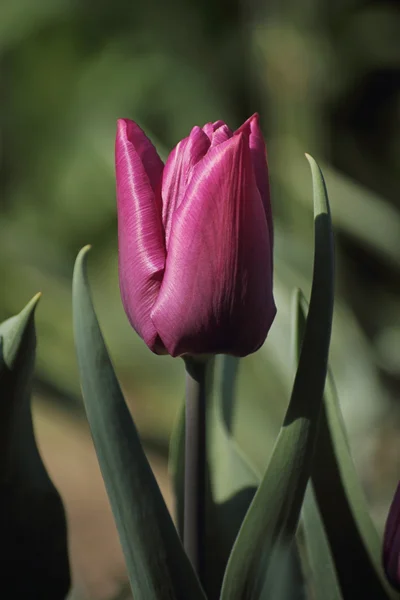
column 158, row 567
column 231, row 480
column 33, row 527
column 353, row 539
column 272, row 518
column 325, row 584
column 324, row 580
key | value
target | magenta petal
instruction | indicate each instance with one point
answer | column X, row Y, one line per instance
column 259, row 160
column 177, row 172
column 220, row 135
column 210, row 128
column 152, row 163
column 216, row 295
column 140, row 233
column 218, row 124
column 391, row 542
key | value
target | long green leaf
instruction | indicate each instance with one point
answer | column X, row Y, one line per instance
column 353, row 539
column 231, row 481
column 33, row 526
column 324, row 580
column 272, row 518
column 325, row 584
column 283, row 579
column 157, row 565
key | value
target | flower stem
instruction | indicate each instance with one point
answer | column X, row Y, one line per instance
column 195, row 463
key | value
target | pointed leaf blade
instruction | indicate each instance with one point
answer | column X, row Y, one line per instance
column 157, row 564
column 341, row 501
column 33, row 528
column 273, row 515
column 324, row 583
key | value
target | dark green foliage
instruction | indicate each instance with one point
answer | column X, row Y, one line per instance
column 33, row 538
column 270, row 524
column 338, row 497
column 157, row 565
column 322, row 571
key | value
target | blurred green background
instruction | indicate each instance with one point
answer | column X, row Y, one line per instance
column 325, row 78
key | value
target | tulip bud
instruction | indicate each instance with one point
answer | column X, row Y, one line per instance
column 195, row 239
column 391, row 542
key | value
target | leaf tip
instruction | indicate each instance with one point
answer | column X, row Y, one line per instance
column 321, row 202
column 84, row 251
column 34, row 301
column 29, row 310
column 80, row 262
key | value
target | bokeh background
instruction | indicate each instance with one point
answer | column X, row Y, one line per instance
column 325, row 78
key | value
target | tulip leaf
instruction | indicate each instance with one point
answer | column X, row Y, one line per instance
column 231, row 481
column 271, row 521
column 324, row 580
column 325, row 584
column 158, row 567
column 33, row 526
column 341, row 501
column 284, row 580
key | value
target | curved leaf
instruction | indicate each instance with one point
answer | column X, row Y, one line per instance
column 157, row 565
column 33, row 525
column 321, row 573
column 353, row 539
column 324, row 582
column 272, row 518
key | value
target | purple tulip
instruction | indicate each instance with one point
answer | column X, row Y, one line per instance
column 195, row 239
column 391, row 543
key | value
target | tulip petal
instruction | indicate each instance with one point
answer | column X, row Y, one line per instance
column 392, row 566
column 177, row 172
column 152, row 163
column 140, row 232
column 260, row 166
column 216, row 295
column 210, row 128
column 220, row 135
column 391, row 544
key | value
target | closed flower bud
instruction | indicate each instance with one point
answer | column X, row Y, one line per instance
column 195, row 239
column 391, row 543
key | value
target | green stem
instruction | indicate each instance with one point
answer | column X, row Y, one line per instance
column 195, row 463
